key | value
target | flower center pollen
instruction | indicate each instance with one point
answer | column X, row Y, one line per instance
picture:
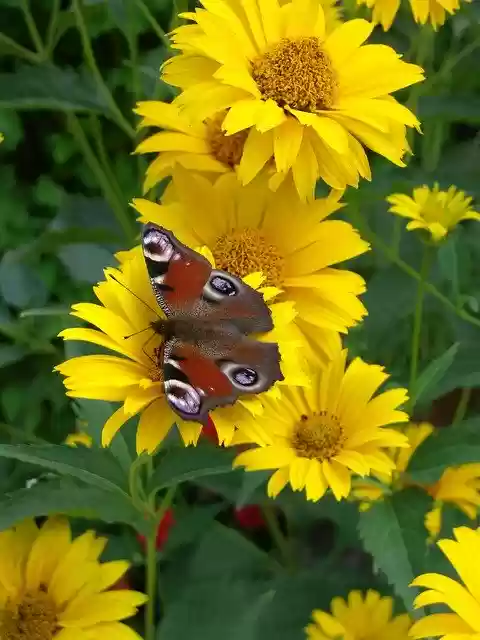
column 296, row 73
column 319, row 436
column 245, row 251
column 226, row 149
column 33, row 617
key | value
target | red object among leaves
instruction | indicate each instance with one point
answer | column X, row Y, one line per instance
column 163, row 530
column 210, row 432
column 250, row 517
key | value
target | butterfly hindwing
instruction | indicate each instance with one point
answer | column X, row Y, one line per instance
column 185, row 283
column 196, row 383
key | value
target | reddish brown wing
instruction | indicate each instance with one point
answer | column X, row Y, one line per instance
column 185, row 284
column 196, row 382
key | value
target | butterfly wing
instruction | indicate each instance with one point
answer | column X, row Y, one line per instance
column 197, row 381
column 185, row 284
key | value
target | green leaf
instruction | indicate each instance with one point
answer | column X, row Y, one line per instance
column 11, row 127
column 95, row 413
column 11, row 353
column 464, row 371
column 94, row 466
column 48, row 87
column 446, row 447
column 426, row 385
column 69, row 497
column 216, row 609
column 393, row 532
column 85, row 262
column 451, row 108
column 20, row 285
column 189, row 463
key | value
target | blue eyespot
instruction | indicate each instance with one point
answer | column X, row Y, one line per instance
column 223, row 285
column 245, row 377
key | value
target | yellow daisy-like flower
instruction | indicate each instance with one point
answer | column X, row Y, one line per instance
column 80, row 437
column 197, row 146
column 318, row 436
column 434, row 210
column 55, row 588
column 293, row 244
column 459, row 486
column 361, row 617
column 134, row 378
column 368, row 492
column 310, row 102
column 384, row 11
column 462, row 598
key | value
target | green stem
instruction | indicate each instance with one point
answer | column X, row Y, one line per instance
column 379, row 244
column 417, row 318
column 281, row 542
column 124, row 219
column 18, row 50
column 52, row 27
column 32, row 27
column 92, row 64
column 462, row 406
column 103, row 157
column 153, row 23
column 152, row 574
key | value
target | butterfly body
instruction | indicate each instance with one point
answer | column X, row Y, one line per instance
column 207, row 357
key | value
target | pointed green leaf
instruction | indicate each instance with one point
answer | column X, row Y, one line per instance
column 94, row 466
column 189, row 463
column 67, row 496
column 393, row 532
column 426, row 385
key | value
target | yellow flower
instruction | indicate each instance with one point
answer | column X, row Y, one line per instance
column 462, row 598
column 134, row 379
column 361, row 617
column 459, row 486
column 436, row 211
column 293, row 244
column 384, row 11
column 55, row 588
column 333, row 14
column 316, row 437
column 197, row 146
column 79, row 437
column 369, row 492
column 309, row 102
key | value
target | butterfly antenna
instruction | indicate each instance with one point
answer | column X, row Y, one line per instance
column 135, row 295
column 137, row 332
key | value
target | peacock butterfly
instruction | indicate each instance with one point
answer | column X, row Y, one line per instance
column 207, row 358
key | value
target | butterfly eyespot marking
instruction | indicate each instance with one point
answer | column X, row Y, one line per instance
column 157, row 246
column 220, row 285
column 242, row 377
column 183, row 397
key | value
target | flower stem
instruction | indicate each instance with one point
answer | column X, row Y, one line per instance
column 32, row 27
column 92, row 64
column 418, row 316
column 462, row 406
column 277, row 536
column 153, row 23
column 121, row 213
column 151, row 559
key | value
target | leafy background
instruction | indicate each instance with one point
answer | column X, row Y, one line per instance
column 70, row 74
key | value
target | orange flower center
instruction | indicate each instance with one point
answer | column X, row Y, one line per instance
column 156, row 371
column 319, row 436
column 297, row 74
column 226, row 149
column 32, row 617
column 244, row 251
